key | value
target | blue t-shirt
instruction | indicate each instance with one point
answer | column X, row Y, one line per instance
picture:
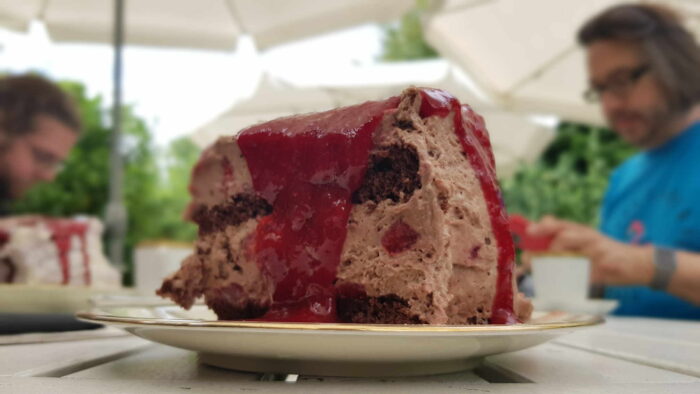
column 654, row 198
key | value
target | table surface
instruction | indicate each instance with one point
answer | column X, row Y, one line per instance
column 625, row 355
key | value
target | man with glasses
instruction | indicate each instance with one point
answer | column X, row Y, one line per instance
column 39, row 125
column 644, row 69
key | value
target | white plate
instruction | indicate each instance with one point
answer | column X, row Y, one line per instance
column 333, row 349
column 20, row 298
column 589, row 306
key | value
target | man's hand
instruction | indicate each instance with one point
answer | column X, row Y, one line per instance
column 612, row 262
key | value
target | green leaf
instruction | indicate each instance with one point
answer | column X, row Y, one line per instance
column 404, row 40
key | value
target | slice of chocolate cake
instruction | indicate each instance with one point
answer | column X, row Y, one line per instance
column 383, row 212
column 63, row 251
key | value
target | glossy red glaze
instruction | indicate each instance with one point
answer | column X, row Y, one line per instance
column 307, row 169
column 476, row 147
column 62, row 231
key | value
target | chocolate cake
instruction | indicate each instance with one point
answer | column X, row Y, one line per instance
column 41, row 250
column 383, row 212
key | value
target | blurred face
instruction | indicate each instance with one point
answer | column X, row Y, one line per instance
column 632, row 99
column 35, row 157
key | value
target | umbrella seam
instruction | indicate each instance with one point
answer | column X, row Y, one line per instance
column 42, row 10
column 235, row 15
column 535, row 74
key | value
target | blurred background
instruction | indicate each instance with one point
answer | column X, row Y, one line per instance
column 194, row 70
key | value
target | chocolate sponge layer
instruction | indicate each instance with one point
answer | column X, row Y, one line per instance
column 392, row 174
column 387, row 309
column 237, row 210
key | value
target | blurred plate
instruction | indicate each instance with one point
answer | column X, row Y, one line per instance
column 19, row 298
column 590, row 306
column 333, row 349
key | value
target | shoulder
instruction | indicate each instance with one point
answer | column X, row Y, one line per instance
column 627, row 168
column 694, row 130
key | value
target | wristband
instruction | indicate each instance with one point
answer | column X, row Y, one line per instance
column 664, row 267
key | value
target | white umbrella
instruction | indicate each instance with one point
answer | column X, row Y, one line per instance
column 523, row 55
column 205, row 24
column 515, row 137
column 272, row 99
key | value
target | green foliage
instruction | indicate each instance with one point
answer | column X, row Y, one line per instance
column 155, row 197
column 405, row 41
column 172, row 197
column 570, row 178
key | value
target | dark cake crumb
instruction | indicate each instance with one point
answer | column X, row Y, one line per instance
column 392, row 174
column 387, row 309
column 404, row 124
column 240, row 208
column 227, row 311
column 183, row 295
column 231, row 303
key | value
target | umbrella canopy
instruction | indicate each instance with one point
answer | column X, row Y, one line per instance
column 205, row 24
column 523, row 55
column 515, row 138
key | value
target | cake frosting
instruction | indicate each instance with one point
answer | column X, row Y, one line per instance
column 40, row 250
column 383, row 212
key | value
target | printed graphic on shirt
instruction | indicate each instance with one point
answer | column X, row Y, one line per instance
column 635, row 232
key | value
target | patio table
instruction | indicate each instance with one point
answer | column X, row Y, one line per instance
column 625, row 355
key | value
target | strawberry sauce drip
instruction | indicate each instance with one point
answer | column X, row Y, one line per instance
column 307, row 170
column 62, row 231
column 477, row 149
column 4, row 238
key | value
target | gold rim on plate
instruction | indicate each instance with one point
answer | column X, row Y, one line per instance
column 101, row 317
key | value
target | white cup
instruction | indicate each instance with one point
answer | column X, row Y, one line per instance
column 155, row 261
column 561, row 280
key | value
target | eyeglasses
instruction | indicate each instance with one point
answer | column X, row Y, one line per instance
column 619, row 84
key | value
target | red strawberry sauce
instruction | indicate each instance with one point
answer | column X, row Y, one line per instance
column 307, row 170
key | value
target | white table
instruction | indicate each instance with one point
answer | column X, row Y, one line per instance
column 623, row 356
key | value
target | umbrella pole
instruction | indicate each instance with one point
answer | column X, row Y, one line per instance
column 116, row 215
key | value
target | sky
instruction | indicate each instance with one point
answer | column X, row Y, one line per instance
column 176, row 91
